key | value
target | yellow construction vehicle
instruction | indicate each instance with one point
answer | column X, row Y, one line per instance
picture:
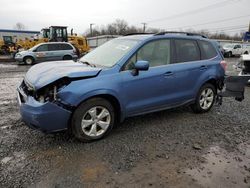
column 29, row 43
column 53, row 34
column 7, row 45
column 60, row 34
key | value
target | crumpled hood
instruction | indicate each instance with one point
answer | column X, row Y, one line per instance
column 43, row 74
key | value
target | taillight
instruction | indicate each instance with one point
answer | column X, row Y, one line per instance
column 223, row 64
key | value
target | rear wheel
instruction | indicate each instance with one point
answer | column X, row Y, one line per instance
column 205, row 99
column 67, row 57
column 93, row 120
column 28, row 60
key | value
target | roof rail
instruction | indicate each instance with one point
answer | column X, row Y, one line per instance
column 179, row 32
column 138, row 34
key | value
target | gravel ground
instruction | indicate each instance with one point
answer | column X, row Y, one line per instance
column 173, row 148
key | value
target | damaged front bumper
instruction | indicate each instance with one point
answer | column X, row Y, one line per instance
column 47, row 117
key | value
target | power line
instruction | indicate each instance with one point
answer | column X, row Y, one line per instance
column 229, row 27
column 235, row 29
column 212, row 22
column 195, row 11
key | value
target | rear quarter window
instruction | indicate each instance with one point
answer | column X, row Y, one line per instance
column 207, row 50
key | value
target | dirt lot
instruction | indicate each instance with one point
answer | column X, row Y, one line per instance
column 173, row 148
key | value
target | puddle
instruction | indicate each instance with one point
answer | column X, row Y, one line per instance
column 224, row 169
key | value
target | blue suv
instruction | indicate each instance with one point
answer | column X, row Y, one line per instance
column 127, row 76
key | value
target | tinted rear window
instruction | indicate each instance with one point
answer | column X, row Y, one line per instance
column 66, row 47
column 56, row 47
column 207, row 50
column 187, row 50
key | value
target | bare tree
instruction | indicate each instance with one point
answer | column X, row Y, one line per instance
column 20, row 26
column 121, row 27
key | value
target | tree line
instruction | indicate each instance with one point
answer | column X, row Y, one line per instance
column 121, row 27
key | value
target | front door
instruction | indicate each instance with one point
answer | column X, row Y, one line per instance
column 151, row 89
column 41, row 53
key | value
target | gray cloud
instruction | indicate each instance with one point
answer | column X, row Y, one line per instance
column 78, row 14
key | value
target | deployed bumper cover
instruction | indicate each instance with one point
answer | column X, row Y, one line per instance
column 47, row 117
column 235, row 87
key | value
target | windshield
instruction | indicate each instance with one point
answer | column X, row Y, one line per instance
column 34, row 47
column 109, row 53
column 228, row 46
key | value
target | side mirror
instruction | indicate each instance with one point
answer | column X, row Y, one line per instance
column 140, row 66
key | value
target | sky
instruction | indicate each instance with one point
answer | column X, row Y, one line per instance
column 229, row 16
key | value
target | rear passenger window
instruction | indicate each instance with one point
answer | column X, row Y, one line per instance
column 66, row 47
column 207, row 50
column 187, row 50
column 54, row 47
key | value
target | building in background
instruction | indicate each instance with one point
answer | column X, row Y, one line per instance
column 14, row 35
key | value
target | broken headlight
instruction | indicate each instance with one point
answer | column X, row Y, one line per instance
column 49, row 92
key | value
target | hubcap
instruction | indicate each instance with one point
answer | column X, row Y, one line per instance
column 96, row 121
column 206, row 98
column 29, row 61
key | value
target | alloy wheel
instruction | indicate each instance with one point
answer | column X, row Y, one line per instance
column 206, row 98
column 96, row 121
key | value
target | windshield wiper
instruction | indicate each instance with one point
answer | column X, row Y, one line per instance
column 87, row 63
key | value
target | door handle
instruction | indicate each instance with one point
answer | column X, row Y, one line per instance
column 203, row 67
column 169, row 73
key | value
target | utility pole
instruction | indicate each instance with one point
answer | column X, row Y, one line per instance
column 91, row 31
column 144, row 27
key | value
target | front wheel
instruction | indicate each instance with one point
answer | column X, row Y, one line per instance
column 93, row 120
column 205, row 99
column 28, row 60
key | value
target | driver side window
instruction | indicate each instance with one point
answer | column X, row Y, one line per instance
column 157, row 53
column 42, row 48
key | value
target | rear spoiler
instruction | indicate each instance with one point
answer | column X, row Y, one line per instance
column 235, row 87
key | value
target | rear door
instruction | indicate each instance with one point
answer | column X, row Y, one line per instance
column 55, row 51
column 187, row 68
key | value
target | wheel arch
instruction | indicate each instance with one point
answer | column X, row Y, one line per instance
column 67, row 55
column 216, row 82
column 27, row 56
column 109, row 97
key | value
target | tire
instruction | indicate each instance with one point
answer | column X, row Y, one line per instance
column 85, row 123
column 229, row 54
column 67, row 57
column 202, row 104
column 28, row 60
